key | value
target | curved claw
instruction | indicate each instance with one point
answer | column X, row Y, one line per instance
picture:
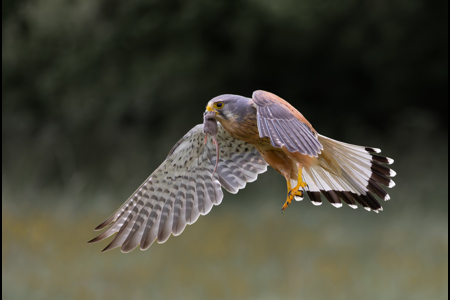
column 296, row 192
column 291, row 194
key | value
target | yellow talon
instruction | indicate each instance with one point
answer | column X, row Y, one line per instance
column 292, row 192
column 302, row 184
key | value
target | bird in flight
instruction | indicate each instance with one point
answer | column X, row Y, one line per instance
column 247, row 135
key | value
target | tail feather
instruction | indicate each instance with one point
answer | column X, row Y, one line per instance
column 349, row 173
column 315, row 197
column 347, row 199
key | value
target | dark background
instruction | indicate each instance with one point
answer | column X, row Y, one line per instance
column 95, row 93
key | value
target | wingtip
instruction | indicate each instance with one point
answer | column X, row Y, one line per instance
column 107, row 248
column 127, row 249
column 99, row 227
column 94, row 240
column 103, row 225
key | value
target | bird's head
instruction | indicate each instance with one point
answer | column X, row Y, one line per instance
column 229, row 108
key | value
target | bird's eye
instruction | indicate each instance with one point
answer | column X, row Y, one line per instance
column 218, row 105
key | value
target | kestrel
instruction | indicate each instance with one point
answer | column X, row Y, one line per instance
column 247, row 135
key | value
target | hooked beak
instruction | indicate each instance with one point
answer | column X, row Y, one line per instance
column 209, row 108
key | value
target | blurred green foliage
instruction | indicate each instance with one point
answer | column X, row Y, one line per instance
column 95, row 93
column 81, row 78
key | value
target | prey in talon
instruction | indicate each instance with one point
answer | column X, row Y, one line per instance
column 210, row 127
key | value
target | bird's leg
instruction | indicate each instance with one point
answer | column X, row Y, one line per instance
column 289, row 199
column 295, row 191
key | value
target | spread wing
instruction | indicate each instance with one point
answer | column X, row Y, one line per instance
column 284, row 125
column 181, row 189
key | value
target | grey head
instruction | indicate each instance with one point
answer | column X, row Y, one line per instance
column 230, row 108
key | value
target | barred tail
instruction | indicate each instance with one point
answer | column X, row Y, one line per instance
column 350, row 173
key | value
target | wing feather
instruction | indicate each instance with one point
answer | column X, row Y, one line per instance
column 181, row 189
column 190, row 198
column 209, row 188
column 201, row 193
column 293, row 136
column 180, row 202
column 167, row 212
column 284, row 125
column 179, row 220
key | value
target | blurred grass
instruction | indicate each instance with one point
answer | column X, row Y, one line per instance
column 242, row 250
